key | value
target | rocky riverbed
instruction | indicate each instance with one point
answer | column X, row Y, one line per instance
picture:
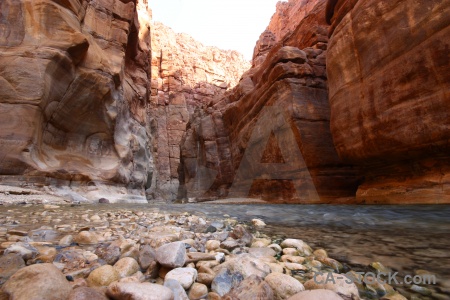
column 110, row 252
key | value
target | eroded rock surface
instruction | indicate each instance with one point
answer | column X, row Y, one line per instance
column 269, row 137
column 388, row 69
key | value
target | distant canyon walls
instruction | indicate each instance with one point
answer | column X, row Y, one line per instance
column 344, row 101
column 185, row 76
column 289, row 76
column 388, row 65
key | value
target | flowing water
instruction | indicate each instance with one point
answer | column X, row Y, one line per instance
column 403, row 238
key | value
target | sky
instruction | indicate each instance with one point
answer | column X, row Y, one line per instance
column 226, row 24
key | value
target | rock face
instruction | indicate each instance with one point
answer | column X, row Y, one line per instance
column 269, row 137
column 388, row 69
column 73, row 93
column 84, row 86
column 185, row 75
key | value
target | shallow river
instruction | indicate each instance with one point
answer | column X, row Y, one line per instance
column 403, row 238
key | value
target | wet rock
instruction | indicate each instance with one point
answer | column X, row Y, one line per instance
column 126, row 266
column 277, row 248
column 103, row 276
column 319, row 294
column 320, row 254
column 421, row 290
column 9, row 264
column 230, row 244
column 213, row 296
column 246, row 265
column 40, row 281
column 176, row 288
column 224, row 281
column 86, row 238
column 258, row 223
column 138, row 291
column 262, row 252
column 147, row 255
column 185, row 276
column 172, row 255
column 66, row 240
column 283, row 286
column 240, row 233
column 109, row 254
column 334, row 282
column 86, row 293
column 301, row 246
column 212, row 245
column 25, row 250
column 205, row 278
column 253, row 287
column 198, row 291
column 103, row 201
column 210, row 229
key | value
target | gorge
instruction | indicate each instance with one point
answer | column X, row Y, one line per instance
column 101, row 102
column 138, row 163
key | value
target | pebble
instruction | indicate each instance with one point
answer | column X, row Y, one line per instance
column 139, row 291
column 172, row 255
column 176, row 288
column 126, row 266
column 283, row 286
column 103, row 276
column 335, row 282
column 197, row 291
column 40, row 281
column 85, row 293
column 253, row 287
column 185, row 276
column 320, row 294
column 86, row 238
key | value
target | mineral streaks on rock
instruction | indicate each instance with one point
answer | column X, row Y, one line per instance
column 388, row 69
column 294, row 81
column 73, row 96
column 185, row 75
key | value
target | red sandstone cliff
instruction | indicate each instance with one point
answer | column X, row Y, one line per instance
column 285, row 91
column 85, row 94
column 388, row 67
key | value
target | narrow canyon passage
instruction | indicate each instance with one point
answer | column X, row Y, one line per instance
column 137, row 162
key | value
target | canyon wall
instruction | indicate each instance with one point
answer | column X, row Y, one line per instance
column 74, row 82
column 185, row 75
column 388, row 65
column 269, row 137
column 95, row 97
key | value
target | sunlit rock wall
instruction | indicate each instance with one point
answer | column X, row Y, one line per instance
column 74, row 82
column 388, row 67
column 229, row 142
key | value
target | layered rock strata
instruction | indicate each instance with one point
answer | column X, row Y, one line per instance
column 74, row 79
column 185, row 75
column 269, row 137
column 388, row 68
column 94, row 97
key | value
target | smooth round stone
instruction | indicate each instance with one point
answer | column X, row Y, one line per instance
column 334, row 282
column 262, row 252
column 198, row 291
column 103, row 276
column 86, row 293
column 176, row 288
column 290, row 251
column 301, row 246
column 172, row 255
column 284, row 286
column 126, row 266
column 86, row 238
column 40, row 281
column 205, row 278
column 253, row 287
column 66, row 240
column 212, row 245
column 258, row 223
column 139, row 291
column 185, row 276
column 9, row 264
column 147, row 255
